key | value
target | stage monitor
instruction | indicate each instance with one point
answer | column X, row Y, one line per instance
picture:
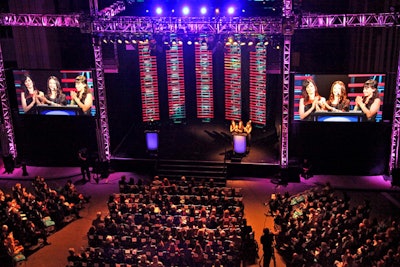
column 353, row 87
column 50, row 92
column 239, row 143
column 152, row 140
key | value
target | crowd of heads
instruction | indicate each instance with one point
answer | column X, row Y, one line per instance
column 166, row 223
column 29, row 216
column 321, row 227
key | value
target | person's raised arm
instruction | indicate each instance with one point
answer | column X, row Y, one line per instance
column 369, row 113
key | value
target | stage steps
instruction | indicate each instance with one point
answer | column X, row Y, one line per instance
column 175, row 169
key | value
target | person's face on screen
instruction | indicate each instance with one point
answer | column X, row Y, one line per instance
column 337, row 90
column 310, row 89
column 368, row 90
column 29, row 83
column 52, row 85
column 79, row 86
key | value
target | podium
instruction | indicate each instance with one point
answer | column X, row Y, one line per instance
column 327, row 116
column 58, row 110
column 151, row 141
column 239, row 143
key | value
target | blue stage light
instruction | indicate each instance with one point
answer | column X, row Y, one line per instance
column 185, row 10
column 203, row 10
column 159, row 10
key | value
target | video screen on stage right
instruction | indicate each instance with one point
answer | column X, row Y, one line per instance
column 338, row 97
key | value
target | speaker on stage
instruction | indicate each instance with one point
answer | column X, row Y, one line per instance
column 396, row 177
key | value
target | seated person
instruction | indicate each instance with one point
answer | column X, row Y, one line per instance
column 338, row 100
column 370, row 102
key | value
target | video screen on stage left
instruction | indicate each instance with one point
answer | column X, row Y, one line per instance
column 55, row 92
column 338, row 97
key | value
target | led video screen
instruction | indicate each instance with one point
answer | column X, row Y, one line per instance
column 55, row 92
column 338, row 97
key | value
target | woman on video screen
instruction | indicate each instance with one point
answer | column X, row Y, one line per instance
column 310, row 100
column 30, row 96
column 370, row 102
column 82, row 97
column 54, row 96
column 338, row 100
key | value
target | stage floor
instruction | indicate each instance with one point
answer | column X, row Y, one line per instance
column 200, row 141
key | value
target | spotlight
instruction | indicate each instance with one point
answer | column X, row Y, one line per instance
column 159, row 10
column 105, row 41
column 127, row 41
column 189, row 42
column 119, row 41
column 203, row 10
column 250, row 43
column 185, row 10
column 217, row 11
column 231, row 10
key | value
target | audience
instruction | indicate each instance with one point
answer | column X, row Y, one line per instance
column 27, row 218
column 319, row 228
column 170, row 224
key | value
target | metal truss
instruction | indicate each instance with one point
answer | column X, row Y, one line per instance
column 40, row 20
column 5, row 107
column 112, row 10
column 188, row 25
column 394, row 148
column 103, row 137
column 285, row 102
column 287, row 8
column 312, row 21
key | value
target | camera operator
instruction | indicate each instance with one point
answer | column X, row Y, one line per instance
column 267, row 241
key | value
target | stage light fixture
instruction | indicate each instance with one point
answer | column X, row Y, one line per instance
column 105, row 40
column 231, row 10
column 217, row 11
column 185, row 10
column 119, row 41
column 203, row 10
column 159, row 10
column 189, row 42
column 127, row 41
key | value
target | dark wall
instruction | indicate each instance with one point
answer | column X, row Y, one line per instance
column 53, row 140
column 342, row 148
